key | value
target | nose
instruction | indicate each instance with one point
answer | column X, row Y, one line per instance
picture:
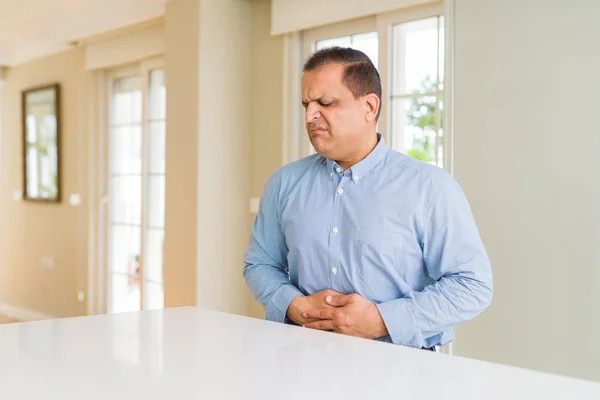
column 312, row 112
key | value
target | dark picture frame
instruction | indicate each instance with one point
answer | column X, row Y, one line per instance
column 41, row 121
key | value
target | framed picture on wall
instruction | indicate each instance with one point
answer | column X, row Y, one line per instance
column 41, row 143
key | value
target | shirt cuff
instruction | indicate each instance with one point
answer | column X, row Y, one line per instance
column 280, row 301
column 400, row 323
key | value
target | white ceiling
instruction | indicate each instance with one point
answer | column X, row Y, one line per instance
column 34, row 28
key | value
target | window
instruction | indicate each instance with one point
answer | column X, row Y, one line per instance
column 415, row 98
column 360, row 35
column 365, row 42
column 136, row 182
column 407, row 47
column 155, row 213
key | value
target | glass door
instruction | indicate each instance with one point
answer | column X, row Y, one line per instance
column 154, row 222
column 136, row 186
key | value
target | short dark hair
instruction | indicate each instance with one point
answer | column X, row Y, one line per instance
column 360, row 75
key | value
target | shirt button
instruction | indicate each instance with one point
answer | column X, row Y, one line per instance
column 335, row 230
column 340, row 190
column 338, row 169
column 355, row 177
column 331, row 174
column 334, row 270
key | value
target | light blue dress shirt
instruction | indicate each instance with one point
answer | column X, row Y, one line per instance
column 396, row 231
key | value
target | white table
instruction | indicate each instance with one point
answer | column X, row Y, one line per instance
column 189, row 353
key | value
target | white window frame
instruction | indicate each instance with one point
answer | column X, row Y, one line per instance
column 346, row 28
column 299, row 46
column 310, row 38
column 385, row 24
column 142, row 69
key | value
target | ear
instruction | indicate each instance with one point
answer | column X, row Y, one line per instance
column 372, row 104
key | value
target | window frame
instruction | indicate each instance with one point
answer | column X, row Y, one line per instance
column 309, row 39
column 385, row 24
column 141, row 69
column 295, row 142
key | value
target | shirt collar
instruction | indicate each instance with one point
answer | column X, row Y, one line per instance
column 362, row 168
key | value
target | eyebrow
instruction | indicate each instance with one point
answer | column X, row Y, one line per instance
column 305, row 102
column 318, row 99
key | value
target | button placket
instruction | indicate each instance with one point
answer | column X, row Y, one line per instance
column 336, row 230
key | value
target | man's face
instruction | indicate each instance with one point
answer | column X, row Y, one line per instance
column 335, row 120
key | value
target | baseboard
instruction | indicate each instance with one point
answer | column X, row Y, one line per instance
column 22, row 314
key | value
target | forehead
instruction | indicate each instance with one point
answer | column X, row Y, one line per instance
column 323, row 79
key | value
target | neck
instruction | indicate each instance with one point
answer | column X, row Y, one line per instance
column 366, row 148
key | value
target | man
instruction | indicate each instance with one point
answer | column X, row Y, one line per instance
column 359, row 239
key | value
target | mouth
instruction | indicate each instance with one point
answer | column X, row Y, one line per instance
column 317, row 131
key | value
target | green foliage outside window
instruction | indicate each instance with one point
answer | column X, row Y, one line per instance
column 421, row 114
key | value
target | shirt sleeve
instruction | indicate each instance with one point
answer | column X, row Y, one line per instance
column 457, row 262
column 266, row 267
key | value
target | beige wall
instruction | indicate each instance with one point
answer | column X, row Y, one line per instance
column 267, row 102
column 31, row 231
column 209, row 119
column 289, row 15
column 224, row 137
column 181, row 63
column 526, row 153
column 130, row 44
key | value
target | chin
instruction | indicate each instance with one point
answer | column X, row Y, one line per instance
column 327, row 153
column 320, row 141
column 320, row 148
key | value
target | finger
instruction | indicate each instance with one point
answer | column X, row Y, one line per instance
column 323, row 325
column 324, row 313
column 338, row 300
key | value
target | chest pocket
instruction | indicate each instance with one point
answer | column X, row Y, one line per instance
column 371, row 242
column 379, row 255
